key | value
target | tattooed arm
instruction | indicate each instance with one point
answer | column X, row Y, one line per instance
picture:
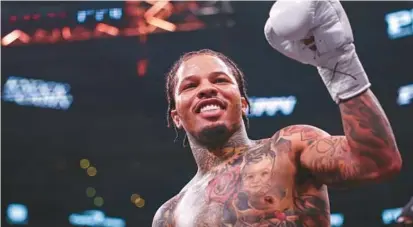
column 367, row 153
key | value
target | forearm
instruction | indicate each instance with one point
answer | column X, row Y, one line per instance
column 369, row 133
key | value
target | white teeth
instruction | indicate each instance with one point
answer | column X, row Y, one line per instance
column 209, row 107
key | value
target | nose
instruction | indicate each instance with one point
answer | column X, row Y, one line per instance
column 207, row 92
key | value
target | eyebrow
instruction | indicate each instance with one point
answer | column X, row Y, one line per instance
column 213, row 74
column 218, row 73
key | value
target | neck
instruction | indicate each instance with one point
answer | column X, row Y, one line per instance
column 207, row 158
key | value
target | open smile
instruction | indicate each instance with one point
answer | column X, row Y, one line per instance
column 210, row 105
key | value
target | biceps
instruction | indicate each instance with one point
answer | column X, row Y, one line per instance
column 331, row 162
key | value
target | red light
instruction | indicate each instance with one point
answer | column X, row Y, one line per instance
column 62, row 14
column 26, row 17
column 51, row 15
column 13, row 18
column 36, row 16
column 142, row 67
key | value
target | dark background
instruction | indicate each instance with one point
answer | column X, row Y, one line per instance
column 117, row 119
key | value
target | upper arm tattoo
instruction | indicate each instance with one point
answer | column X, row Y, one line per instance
column 330, row 160
column 367, row 148
column 307, row 133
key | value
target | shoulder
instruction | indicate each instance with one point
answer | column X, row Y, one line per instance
column 164, row 216
column 298, row 137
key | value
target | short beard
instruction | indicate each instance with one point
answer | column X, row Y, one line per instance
column 214, row 137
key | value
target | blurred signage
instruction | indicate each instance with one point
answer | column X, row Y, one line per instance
column 38, row 93
column 405, row 96
column 98, row 15
column 138, row 18
column 95, row 218
column 271, row 106
column 399, row 24
column 389, row 216
column 37, row 16
column 17, row 214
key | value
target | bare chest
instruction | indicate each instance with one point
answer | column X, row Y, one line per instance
column 257, row 190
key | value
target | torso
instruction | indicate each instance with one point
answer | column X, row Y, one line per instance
column 261, row 187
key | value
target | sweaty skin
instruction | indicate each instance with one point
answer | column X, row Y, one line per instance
column 279, row 181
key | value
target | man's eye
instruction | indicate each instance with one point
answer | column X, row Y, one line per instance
column 221, row 80
column 188, row 86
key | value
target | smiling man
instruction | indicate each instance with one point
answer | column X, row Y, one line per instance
column 282, row 180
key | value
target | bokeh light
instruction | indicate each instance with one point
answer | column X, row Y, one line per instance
column 98, row 201
column 91, row 171
column 84, row 163
column 137, row 200
column 140, row 202
column 90, row 192
column 134, row 197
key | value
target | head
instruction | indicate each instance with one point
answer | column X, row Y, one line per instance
column 207, row 96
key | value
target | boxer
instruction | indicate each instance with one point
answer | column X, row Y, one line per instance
column 281, row 180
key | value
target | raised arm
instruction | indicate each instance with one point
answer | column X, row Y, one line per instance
column 319, row 33
column 367, row 153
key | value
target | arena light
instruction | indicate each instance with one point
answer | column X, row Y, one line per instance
column 137, row 200
column 141, row 18
column 98, row 201
column 79, row 33
column 38, row 93
column 37, row 16
column 153, row 16
column 91, row 171
column 389, row 216
column 95, row 218
column 13, row 36
column 90, row 192
column 99, row 14
column 165, row 25
column 142, row 67
column 157, row 6
column 336, row 220
column 84, row 163
column 17, row 214
column 271, row 106
column 107, row 29
column 399, row 24
column 405, row 96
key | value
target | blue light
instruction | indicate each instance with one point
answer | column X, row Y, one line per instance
column 99, row 14
column 337, row 220
column 115, row 13
column 270, row 106
column 405, row 95
column 399, row 24
column 390, row 215
column 95, row 218
column 17, row 214
column 38, row 93
column 81, row 16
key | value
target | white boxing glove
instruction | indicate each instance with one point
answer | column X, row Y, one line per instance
column 328, row 42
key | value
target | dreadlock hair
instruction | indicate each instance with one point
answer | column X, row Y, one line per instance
column 171, row 80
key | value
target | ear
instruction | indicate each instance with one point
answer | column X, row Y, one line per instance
column 177, row 120
column 244, row 105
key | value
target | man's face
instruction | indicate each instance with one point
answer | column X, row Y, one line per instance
column 207, row 97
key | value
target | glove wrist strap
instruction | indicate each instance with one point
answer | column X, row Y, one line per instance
column 344, row 75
